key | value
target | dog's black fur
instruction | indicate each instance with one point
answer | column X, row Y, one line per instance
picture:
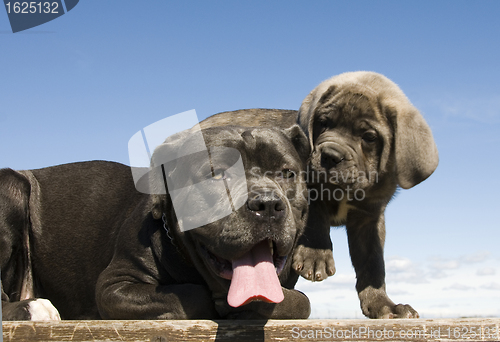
column 81, row 236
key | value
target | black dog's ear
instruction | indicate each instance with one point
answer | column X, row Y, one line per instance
column 299, row 141
column 416, row 153
column 161, row 163
column 159, row 193
column 159, row 206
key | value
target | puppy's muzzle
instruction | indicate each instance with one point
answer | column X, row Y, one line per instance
column 331, row 158
column 267, row 205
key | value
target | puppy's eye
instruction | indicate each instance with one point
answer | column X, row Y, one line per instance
column 324, row 124
column 287, row 173
column 370, row 136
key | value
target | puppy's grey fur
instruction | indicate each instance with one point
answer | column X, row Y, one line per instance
column 366, row 139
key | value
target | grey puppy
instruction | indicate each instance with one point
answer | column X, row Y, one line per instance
column 366, row 140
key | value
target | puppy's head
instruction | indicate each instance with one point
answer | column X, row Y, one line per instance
column 361, row 128
column 238, row 202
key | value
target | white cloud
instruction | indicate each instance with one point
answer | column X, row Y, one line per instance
column 484, row 110
column 440, row 267
column 397, row 264
column 459, row 287
column 475, row 258
column 339, row 280
column 438, row 274
column 345, row 279
column 486, row 271
column 440, row 305
column 491, row 286
column 439, row 263
column 396, row 292
column 403, row 270
column 439, row 286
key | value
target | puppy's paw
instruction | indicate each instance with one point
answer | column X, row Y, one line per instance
column 395, row 311
column 43, row 310
column 313, row 264
column 399, row 311
column 376, row 304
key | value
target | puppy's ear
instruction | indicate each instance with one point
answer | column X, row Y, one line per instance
column 324, row 92
column 299, row 141
column 416, row 153
column 305, row 116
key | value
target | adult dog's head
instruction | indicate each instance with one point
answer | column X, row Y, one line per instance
column 237, row 206
column 362, row 129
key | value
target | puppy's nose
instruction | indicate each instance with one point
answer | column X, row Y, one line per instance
column 267, row 205
column 330, row 158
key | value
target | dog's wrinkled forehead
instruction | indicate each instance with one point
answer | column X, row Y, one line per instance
column 191, row 141
column 367, row 91
column 225, row 136
column 348, row 105
column 253, row 143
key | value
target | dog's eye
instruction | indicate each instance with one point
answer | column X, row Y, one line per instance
column 370, row 136
column 219, row 175
column 324, row 124
column 287, row 173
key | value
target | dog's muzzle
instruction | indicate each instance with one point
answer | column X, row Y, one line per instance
column 331, row 157
column 267, row 205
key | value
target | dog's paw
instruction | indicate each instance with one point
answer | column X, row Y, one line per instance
column 313, row 264
column 376, row 304
column 398, row 311
column 43, row 310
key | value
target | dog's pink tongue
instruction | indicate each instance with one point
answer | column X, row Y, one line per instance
column 255, row 278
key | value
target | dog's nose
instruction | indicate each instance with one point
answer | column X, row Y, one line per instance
column 267, row 205
column 330, row 158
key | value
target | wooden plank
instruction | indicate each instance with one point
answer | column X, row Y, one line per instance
column 469, row 329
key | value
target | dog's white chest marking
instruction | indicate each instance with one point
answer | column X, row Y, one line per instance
column 43, row 310
column 340, row 217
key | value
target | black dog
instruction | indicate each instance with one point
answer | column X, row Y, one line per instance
column 81, row 236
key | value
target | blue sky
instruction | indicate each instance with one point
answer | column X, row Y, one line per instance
column 79, row 87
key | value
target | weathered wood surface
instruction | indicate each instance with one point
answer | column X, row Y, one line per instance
column 477, row 329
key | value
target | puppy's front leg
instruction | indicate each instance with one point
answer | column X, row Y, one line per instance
column 313, row 256
column 366, row 236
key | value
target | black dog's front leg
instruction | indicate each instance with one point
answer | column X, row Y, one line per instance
column 14, row 311
column 125, row 300
column 366, row 236
column 135, row 285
